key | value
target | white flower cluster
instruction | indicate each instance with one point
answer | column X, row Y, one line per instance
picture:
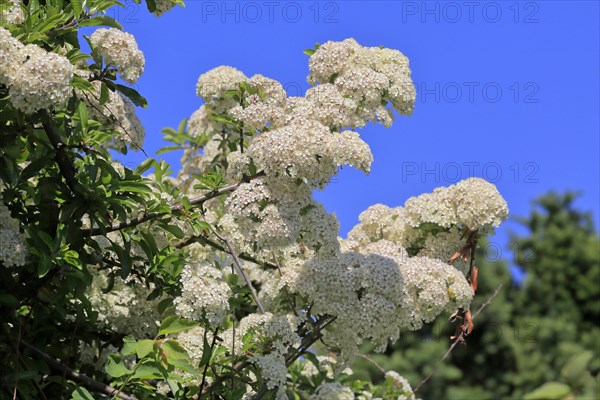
column 308, row 151
column 472, row 203
column 120, row 50
column 11, row 13
column 118, row 114
column 401, row 384
column 332, row 391
column 200, row 123
column 370, row 76
column 124, row 309
column 205, row 294
column 432, row 224
column 263, row 100
column 375, row 296
column 36, row 78
column 274, row 371
column 274, row 334
column 13, row 247
column 213, row 84
column 265, row 212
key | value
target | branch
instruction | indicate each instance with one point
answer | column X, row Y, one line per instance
column 195, row 200
column 237, row 262
column 220, row 379
column 308, row 341
column 459, row 338
column 91, row 384
column 212, row 345
column 369, row 359
column 215, row 245
column 62, row 159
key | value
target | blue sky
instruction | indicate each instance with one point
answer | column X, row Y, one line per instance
column 507, row 91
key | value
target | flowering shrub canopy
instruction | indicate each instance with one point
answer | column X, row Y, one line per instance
column 225, row 278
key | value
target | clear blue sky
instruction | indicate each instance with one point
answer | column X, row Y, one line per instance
column 507, row 91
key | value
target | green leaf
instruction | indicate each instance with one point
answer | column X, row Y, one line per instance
column 144, row 166
column 164, row 304
column 309, row 52
column 575, row 369
column 206, row 352
column 132, row 95
column 144, row 347
column 81, row 393
column 129, row 346
column 151, row 4
column 101, row 20
column 77, row 7
column 174, row 230
column 147, row 371
column 174, row 324
column 134, row 187
column 167, row 149
column 115, row 368
column 104, row 95
column 549, row 391
column 82, row 84
column 82, row 111
column 174, row 351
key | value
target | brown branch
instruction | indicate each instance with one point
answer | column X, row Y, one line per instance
column 195, row 200
column 85, row 380
column 458, row 339
column 375, row 363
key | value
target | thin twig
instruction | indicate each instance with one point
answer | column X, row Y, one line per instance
column 204, row 240
column 195, row 200
column 458, row 339
column 237, row 262
column 375, row 363
column 212, row 345
column 88, row 382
